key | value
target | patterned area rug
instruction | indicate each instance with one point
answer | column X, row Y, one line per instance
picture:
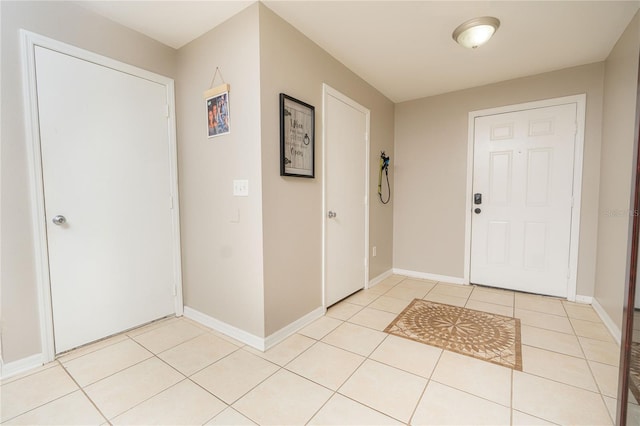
column 489, row 337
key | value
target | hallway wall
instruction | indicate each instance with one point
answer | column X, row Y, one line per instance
column 293, row 64
column 69, row 23
column 222, row 234
column 619, row 115
column 431, row 169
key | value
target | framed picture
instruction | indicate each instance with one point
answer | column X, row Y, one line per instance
column 217, row 114
column 297, row 138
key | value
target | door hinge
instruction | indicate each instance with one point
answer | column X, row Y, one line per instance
column 166, row 110
column 175, row 290
column 572, row 199
column 171, row 202
column 366, row 262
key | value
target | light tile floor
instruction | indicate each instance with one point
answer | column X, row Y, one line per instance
column 341, row 369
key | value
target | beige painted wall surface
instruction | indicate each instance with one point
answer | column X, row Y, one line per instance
column 431, row 166
column 292, row 64
column 71, row 24
column 619, row 115
column 221, row 233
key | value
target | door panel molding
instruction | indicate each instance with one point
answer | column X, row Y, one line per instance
column 29, row 41
column 580, row 102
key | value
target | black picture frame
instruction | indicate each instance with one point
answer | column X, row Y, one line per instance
column 297, row 138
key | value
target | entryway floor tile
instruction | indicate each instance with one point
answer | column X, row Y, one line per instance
column 339, row 370
column 443, row 405
column 386, row 389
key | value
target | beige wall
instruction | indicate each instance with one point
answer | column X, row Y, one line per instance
column 619, row 114
column 221, row 233
column 236, row 263
column 431, row 169
column 72, row 24
column 292, row 64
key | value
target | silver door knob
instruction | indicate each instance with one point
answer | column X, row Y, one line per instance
column 332, row 214
column 59, row 220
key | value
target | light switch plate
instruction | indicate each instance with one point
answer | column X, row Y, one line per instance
column 241, row 188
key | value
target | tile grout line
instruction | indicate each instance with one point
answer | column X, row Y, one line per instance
column 595, row 380
column 150, row 397
column 125, row 334
column 46, row 403
column 365, row 358
column 258, row 384
column 513, row 374
column 60, row 363
column 209, row 365
column 429, row 380
column 153, row 355
column 357, row 368
column 334, row 392
column 470, row 393
column 84, row 393
column 24, row 374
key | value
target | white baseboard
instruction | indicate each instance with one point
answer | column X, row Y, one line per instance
column 432, row 277
column 259, row 343
column 20, row 366
column 588, row 300
column 608, row 322
column 224, row 328
column 380, row 278
column 283, row 333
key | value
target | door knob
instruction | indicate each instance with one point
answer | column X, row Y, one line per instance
column 59, row 220
column 477, row 210
column 332, row 214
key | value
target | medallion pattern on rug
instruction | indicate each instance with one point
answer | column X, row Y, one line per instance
column 489, row 337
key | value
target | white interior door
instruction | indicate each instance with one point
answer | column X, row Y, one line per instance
column 106, row 168
column 346, row 215
column 521, row 229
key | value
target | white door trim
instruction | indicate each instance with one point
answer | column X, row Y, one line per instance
column 28, row 42
column 326, row 91
column 580, row 101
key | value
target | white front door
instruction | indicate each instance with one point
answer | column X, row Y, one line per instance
column 104, row 138
column 521, row 226
column 346, row 215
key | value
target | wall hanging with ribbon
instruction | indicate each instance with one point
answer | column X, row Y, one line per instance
column 217, row 102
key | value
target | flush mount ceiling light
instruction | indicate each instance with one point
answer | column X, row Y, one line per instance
column 476, row 32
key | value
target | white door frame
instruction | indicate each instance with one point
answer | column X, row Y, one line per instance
column 326, row 91
column 29, row 41
column 580, row 101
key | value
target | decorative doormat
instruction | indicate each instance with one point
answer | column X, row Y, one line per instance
column 489, row 337
column 634, row 371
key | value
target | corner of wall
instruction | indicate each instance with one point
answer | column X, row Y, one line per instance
column 222, row 234
column 616, row 169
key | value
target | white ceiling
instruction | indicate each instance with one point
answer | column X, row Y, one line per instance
column 404, row 48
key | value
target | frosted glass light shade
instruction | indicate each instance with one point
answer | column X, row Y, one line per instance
column 476, row 32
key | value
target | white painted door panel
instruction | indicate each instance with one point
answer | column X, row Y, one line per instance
column 523, row 167
column 105, row 160
column 346, row 153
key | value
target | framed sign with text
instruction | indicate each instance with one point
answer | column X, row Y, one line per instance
column 297, row 137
